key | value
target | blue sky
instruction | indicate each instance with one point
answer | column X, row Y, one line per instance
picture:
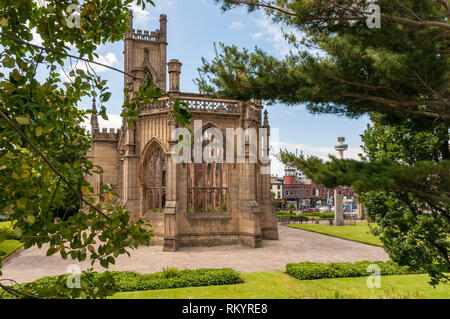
column 193, row 28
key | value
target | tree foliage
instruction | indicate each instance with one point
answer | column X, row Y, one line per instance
column 340, row 65
column 398, row 73
column 414, row 231
column 43, row 148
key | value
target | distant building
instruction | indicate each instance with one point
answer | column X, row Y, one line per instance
column 277, row 188
column 294, row 172
column 304, row 193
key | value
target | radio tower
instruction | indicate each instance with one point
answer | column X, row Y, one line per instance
column 341, row 147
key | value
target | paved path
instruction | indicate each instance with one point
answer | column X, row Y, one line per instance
column 295, row 245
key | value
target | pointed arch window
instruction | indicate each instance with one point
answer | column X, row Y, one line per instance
column 156, row 179
column 208, row 182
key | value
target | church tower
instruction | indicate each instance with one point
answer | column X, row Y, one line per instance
column 145, row 53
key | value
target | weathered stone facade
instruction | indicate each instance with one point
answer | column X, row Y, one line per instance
column 188, row 204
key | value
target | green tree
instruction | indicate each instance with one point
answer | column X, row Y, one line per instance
column 339, row 65
column 291, row 207
column 413, row 232
column 273, row 198
column 43, row 160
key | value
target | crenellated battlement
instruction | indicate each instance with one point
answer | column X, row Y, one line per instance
column 145, row 35
column 159, row 35
column 106, row 134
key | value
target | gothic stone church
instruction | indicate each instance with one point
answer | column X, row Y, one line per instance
column 201, row 204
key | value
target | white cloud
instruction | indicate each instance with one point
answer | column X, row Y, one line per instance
column 237, row 25
column 273, row 33
column 141, row 16
column 37, row 40
column 109, row 59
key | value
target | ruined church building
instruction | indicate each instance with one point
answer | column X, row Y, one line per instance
column 188, row 204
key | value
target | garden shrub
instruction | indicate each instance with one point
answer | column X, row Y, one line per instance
column 170, row 272
column 311, row 270
column 318, row 215
column 133, row 281
column 286, row 214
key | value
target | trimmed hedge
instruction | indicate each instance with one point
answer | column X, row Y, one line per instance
column 174, row 278
column 169, row 278
column 286, row 214
column 311, row 270
column 290, row 216
column 318, row 215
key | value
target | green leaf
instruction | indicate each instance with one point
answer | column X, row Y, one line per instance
column 18, row 232
column 39, row 130
column 31, row 219
column 106, row 96
column 104, row 263
column 8, row 62
column 4, row 22
column 22, row 120
column 22, row 203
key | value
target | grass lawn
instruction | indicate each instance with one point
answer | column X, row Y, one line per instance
column 10, row 245
column 359, row 232
column 278, row 285
column 6, row 224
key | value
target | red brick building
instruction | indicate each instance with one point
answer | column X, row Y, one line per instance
column 306, row 194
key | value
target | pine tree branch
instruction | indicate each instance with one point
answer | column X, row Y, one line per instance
column 420, row 193
column 425, row 23
column 361, row 15
column 264, row 4
column 401, row 106
column 387, row 101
